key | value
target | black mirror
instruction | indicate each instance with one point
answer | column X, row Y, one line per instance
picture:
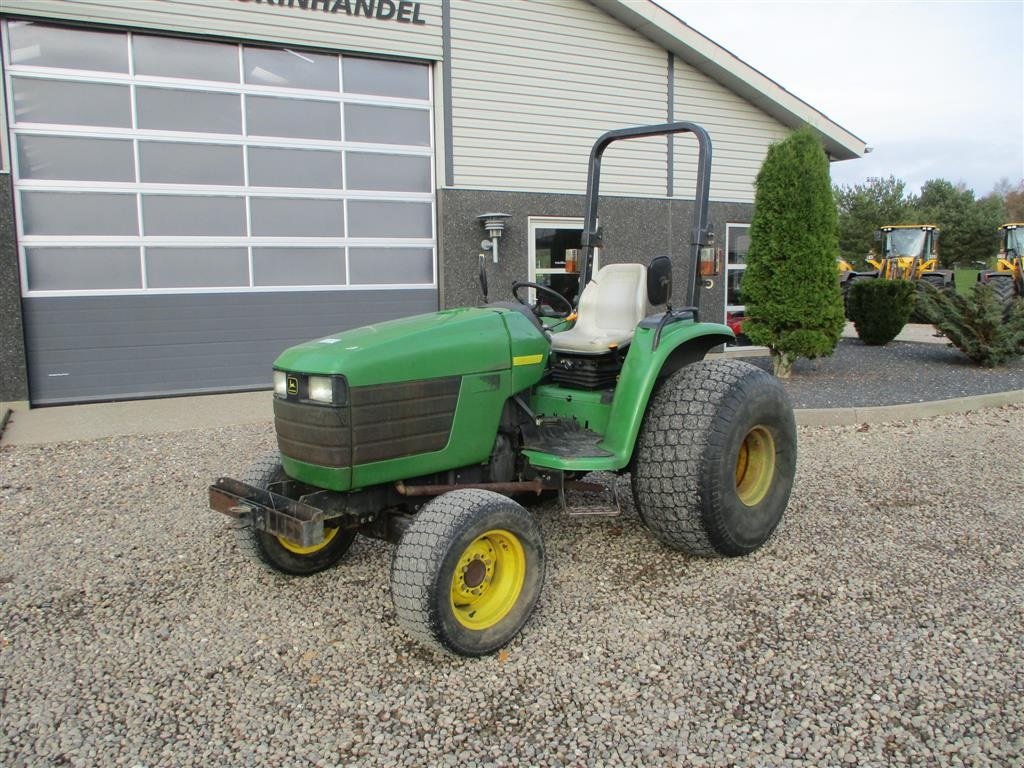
column 483, row 277
column 659, row 280
column 878, row 235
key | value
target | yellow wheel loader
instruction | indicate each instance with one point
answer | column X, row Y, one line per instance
column 1007, row 279
column 909, row 252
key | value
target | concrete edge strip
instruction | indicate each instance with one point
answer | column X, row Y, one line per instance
column 880, row 414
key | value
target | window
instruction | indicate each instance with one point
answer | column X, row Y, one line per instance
column 737, row 244
column 556, row 254
column 151, row 164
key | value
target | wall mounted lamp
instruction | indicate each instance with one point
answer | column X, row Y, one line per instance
column 495, row 224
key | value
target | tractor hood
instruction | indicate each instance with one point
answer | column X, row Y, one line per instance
column 448, row 343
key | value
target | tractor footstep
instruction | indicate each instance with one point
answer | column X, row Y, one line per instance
column 603, row 501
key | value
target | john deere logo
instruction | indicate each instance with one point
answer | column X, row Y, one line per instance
column 293, row 385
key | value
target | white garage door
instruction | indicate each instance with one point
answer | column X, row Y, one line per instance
column 186, row 209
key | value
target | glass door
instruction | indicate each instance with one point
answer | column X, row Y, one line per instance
column 556, row 255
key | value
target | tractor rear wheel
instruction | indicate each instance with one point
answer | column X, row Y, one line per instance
column 715, row 459
column 468, row 572
column 278, row 553
column 1002, row 287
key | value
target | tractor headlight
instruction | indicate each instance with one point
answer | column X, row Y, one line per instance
column 280, row 384
column 321, row 389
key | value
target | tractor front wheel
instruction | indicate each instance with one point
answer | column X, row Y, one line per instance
column 468, row 572
column 278, row 553
column 715, row 459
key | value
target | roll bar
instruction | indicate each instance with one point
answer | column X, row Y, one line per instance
column 700, row 235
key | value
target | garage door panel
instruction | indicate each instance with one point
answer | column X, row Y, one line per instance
column 187, row 209
column 79, row 213
column 59, row 269
column 45, row 46
column 95, row 351
column 187, row 59
column 71, row 103
column 75, row 158
column 170, row 162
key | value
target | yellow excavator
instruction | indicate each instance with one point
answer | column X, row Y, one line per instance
column 1007, row 279
column 909, row 252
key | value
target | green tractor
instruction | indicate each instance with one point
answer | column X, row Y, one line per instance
column 424, row 431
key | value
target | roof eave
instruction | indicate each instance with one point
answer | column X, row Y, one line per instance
column 661, row 27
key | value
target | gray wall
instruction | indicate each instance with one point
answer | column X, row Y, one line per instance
column 120, row 347
column 635, row 230
column 13, row 376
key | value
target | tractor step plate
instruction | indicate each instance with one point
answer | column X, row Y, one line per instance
column 603, row 501
column 566, row 439
column 268, row 511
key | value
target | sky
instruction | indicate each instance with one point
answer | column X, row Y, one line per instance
column 935, row 88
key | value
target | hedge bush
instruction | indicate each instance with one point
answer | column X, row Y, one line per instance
column 983, row 328
column 793, row 302
column 880, row 308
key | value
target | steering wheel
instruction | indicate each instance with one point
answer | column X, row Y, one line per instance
column 550, row 293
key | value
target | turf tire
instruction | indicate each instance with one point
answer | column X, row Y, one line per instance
column 423, row 565
column 684, row 476
column 266, row 549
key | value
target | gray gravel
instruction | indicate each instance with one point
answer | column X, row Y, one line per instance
column 900, row 372
column 883, row 625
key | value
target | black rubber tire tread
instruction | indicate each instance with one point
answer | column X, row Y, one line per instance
column 265, row 549
column 1002, row 287
column 938, row 281
column 846, row 292
column 423, row 562
column 684, row 464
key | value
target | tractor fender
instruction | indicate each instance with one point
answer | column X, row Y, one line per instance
column 680, row 344
column 645, row 367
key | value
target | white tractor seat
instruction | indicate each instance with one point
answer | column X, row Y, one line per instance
column 612, row 304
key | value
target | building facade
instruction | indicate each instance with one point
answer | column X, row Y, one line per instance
column 188, row 188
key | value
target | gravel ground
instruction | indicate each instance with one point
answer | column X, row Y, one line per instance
column 883, row 624
column 900, row 372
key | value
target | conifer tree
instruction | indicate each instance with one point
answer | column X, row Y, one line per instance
column 793, row 302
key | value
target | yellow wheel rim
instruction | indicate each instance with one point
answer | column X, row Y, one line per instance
column 755, row 466
column 488, row 579
column 295, row 549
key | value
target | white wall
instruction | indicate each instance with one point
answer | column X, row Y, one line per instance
column 740, row 136
column 535, row 82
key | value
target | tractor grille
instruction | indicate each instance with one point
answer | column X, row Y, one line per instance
column 386, row 421
column 318, row 434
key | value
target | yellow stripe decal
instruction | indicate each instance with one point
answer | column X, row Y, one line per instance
column 527, row 359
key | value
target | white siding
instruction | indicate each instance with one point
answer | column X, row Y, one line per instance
column 254, row 21
column 535, row 82
column 740, row 136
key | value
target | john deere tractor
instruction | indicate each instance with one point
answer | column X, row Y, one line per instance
column 1007, row 279
column 425, row 431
